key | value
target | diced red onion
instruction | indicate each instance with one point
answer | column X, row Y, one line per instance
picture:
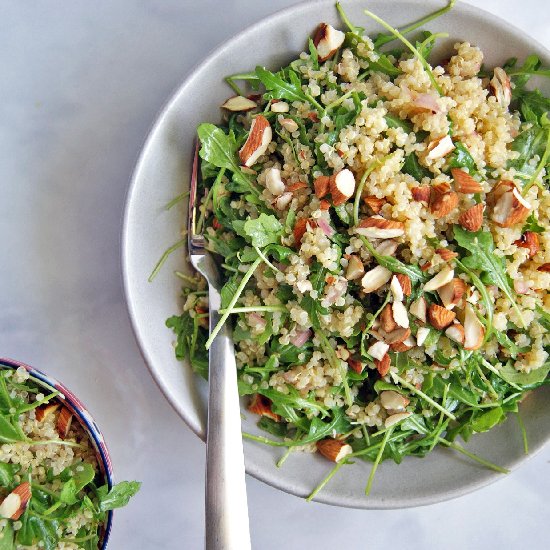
column 300, row 338
column 325, row 227
column 257, row 319
column 426, row 101
column 521, row 287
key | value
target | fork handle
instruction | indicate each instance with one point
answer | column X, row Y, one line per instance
column 227, row 525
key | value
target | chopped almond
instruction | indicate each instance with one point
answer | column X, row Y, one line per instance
column 452, row 292
column 378, row 350
column 374, row 203
column 239, row 103
column 386, row 319
column 406, row 345
column 288, row 124
column 440, row 147
column 273, row 182
column 327, row 40
column 474, row 331
column 342, row 186
column 421, row 335
column 297, row 186
column 442, row 204
column 396, row 289
column 278, row 106
column 446, row 254
column 256, row 144
column 464, row 183
column 440, row 317
column 324, row 205
column 334, row 449
column 44, row 411
column 419, row 308
column 375, row 278
column 260, row 404
column 472, row 219
column 321, row 186
column 393, row 401
column 441, row 279
column 422, row 193
column 545, row 268
column 355, row 269
column 300, row 227
column 400, row 315
column 377, row 227
column 456, row 333
column 383, row 365
column 400, row 334
column 529, row 240
column 405, row 282
column 425, row 266
column 355, row 365
column 387, row 247
column 501, row 87
column 395, row 418
column 64, row 421
column 283, row 201
column 16, row 502
column 510, row 207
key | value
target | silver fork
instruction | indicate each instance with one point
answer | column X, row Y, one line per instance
column 226, row 509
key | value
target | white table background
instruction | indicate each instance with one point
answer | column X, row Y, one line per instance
column 80, row 84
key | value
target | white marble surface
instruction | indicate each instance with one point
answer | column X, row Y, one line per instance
column 81, row 83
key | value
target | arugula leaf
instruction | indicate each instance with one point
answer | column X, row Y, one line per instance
column 264, row 230
column 461, row 158
column 414, row 169
column 481, row 247
column 533, row 105
column 7, row 537
column 119, row 495
column 7, row 473
column 532, row 224
column 534, row 377
column 528, row 143
column 487, row 420
column 68, row 492
column 313, row 54
column 280, row 429
column 183, row 328
column 9, row 432
column 394, row 121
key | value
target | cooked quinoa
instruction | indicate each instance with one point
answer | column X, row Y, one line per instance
column 52, row 493
column 392, row 217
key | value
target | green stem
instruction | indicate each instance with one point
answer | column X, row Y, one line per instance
column 163, row 259
column 359, row 191
column 37, row 404
column 523, row 433
column 204, row 205
column 477, row 458
column 254, row 309
column 494, row 370
column 331, row 474
column 265, row 260
column 190, row 280
column 377, row 461
column 282, row 460
column 175, row 200
column 540, row 166
column 421, row 394
column 237, row 295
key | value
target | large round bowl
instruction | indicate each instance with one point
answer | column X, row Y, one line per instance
column 163, row 173
column 85, row 419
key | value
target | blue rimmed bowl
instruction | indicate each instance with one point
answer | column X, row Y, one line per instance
column 85, row 419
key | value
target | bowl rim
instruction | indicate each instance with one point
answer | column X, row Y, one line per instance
column 86, row 421
column 155, row 127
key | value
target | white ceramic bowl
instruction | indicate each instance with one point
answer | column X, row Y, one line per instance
column 163, row 173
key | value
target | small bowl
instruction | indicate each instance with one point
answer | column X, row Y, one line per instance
column 85, row 420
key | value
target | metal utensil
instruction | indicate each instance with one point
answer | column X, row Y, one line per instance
column 227, row 525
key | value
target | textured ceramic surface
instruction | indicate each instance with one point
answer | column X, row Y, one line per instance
column 87, row 422
column 163, row 172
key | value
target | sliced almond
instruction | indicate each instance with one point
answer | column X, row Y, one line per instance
column 387, row 247
column 289, row 125
column 395, row 419
column 440, row 317
column 400, row 315
column 396, row 289
column 377, row 227
column 440, row 147
column 16, row 502
column 421, row 335
column 321, row 186
column 342, row 186
column 474, row 331
column 455, row 333
column 258, row 140
column 442, row 204
column 355, row 269
column 545, row 268
column 334, row 449
column 419, row 308
column 464, row 183
column 283, row 201
column 386, row 319
column 375, row 278
column 355, row 365
column 327, row 40
column 383, row 365
column 422, row 193
column 280, row 107
column 446, row 254
column 394, row 401
column 374, row 203
column 239, row 103
column 64, row 421
column 472, row 219
column 441, row 279
column 273, row 181
column 378, row 350
column 46, row 410
column 510, row 207
column 529, row 240
column 260, row 404
column 501, row 87
column 405, row 283
column 452, row 292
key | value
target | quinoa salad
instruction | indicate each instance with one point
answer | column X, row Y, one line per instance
column 52, row 492
column 380, row 217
